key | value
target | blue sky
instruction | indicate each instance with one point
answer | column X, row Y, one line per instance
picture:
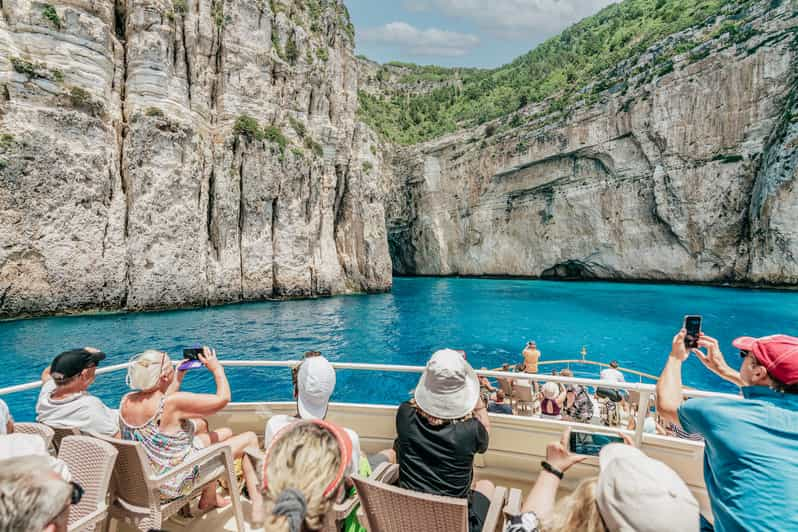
column 480, row 33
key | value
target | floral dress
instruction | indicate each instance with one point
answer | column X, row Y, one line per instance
column 165, row 451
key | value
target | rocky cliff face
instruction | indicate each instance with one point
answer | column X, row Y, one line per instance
column 687, row 175
column 161, row 153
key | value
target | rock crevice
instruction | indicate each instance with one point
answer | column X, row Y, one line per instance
column 142, row 193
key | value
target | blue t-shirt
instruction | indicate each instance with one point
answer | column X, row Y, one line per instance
column 750, row 457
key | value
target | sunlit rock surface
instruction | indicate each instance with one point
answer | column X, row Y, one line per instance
column 123, row 184
column 688, row 175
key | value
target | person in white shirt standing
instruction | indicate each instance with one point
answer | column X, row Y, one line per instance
column 6, row 421
column 64, row 401
column 612, row 374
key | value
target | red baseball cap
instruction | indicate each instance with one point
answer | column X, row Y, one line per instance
column 778, row 353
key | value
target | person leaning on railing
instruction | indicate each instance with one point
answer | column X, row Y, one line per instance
column 33, row 497
column 751, row 446
column 631, row 493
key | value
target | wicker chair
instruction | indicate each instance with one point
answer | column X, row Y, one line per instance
column 36, row 428
column 388, row 508
column 91, row 463
column 507, row 387
column 61, row 433
column 136, row 491
column 513, row 506
column 525, row 400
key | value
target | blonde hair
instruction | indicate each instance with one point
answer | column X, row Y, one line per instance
column 577, row 511
column 306, row 459
column 145, row 369
column 551, row 390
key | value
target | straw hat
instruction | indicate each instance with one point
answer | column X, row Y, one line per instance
column 448, row 388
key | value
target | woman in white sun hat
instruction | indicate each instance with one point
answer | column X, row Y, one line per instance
column 632, row 493
column 441, row 430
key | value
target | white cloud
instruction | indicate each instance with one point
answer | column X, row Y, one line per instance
column 514, row 18
column 427, row 42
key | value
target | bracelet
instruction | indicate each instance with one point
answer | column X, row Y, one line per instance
column 551, row 469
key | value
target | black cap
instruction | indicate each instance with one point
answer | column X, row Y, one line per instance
column 70, row 363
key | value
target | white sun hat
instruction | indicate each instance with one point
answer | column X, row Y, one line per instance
column 315, row 384
column 636, row 493
column 448, row 388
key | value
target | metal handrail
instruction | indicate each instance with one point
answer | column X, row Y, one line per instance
column 602, row 364
column 641, row 387
column 646, row 395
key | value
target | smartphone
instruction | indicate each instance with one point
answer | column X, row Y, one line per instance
column 192, row 353
column 692, row 325
column 590, row 443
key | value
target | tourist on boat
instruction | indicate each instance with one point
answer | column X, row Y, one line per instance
column 632, row 492
column 440, row 431
column 577, row 405
column 160, row 417
column 499, row 406
column 551, row 400
column 314, row 383
column 751, row 445
column 6, row 420
column 486, row 389
column 17, row 445
column 531, row 357
column 33, row 497
column 304, row 473
column 650, row 425
column 64, row 400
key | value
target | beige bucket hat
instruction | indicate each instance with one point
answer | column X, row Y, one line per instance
column 448, row 388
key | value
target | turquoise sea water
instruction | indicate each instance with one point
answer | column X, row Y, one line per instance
column 490, row 319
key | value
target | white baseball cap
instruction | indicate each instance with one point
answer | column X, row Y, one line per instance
column 315, row 384
column 448, row 388
column 636, row 493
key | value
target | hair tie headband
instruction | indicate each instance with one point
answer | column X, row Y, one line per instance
column 292, row 505
column 344, row 445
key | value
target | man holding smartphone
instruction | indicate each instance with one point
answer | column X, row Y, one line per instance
column 751, row 446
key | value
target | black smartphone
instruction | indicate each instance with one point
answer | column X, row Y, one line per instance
column 692, row 325
column 192, row 353
column 590, row 443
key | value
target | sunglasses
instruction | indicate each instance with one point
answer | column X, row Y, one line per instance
column 77, row 493
column 744, row 354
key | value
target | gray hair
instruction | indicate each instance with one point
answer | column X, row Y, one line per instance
column 32, row 495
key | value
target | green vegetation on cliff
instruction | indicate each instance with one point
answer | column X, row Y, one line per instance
column 577, row 64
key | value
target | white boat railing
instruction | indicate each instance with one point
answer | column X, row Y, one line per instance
column 647, row 391
column 544, row 377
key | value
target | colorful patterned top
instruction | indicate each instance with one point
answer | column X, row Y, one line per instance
column 165, row 451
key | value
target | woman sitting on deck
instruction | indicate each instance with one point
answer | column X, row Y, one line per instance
column 169, row 425
column 552, row 401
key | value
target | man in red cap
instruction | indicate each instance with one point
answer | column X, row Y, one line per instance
column 751, row 445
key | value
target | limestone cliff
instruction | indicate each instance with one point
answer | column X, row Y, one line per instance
column 162, row 153
column 686, row 174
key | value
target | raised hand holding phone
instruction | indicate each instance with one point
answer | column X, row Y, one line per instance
column 192, row 360
column 560, row 456
column 208, row 357
column 692, row 327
